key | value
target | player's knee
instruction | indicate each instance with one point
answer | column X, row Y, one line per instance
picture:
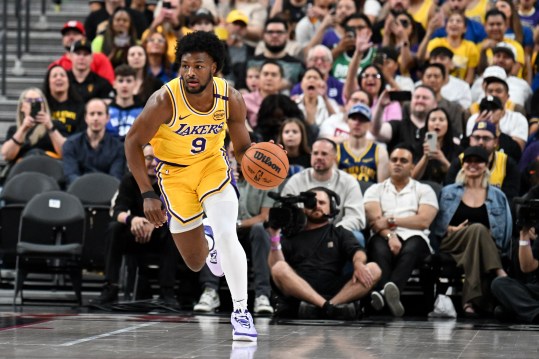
column 195, row 263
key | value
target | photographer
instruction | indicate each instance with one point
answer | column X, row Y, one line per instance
column 520, row 299
column 308, row 266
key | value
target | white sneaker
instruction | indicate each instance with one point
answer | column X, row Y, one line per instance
column 208, row 302
column 393, row 299
column 263, row 305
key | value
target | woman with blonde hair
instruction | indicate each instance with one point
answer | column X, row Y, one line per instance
column 474, row 224
column 34, row 131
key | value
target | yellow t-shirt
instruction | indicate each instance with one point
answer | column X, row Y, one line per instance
column 422, row 14
column 465, row 56
column 478, row 12
column 192, row 136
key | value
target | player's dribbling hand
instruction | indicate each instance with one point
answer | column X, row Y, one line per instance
column 278, row 144
column 154, row 212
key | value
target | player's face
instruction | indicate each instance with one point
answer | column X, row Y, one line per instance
column 318, row 214
column 197, row 70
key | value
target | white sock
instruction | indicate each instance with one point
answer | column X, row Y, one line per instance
column 222, row 209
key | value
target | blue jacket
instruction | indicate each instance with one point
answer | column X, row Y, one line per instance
column 475, row 31
column 499, row 214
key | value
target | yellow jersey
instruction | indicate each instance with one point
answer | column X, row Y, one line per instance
column 192, row 136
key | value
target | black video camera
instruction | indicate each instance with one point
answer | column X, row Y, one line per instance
column 527, row 211
column 287, row 215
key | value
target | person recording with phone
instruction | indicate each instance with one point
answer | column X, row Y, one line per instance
column 307, row 266
column 34, row 132
column 439, row 148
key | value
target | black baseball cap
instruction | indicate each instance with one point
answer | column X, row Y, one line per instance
column 476, row 151
column 82, row 45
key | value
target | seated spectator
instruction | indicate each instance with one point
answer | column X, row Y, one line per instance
column 96, row 22
column 275, row 41
column 518, row 298
column 467, row 58
column 515, row 31
column 399, row 212
column 373, row 82
column 131, row 233
column 503, row 169
column 293, row 138
column 159, row 65
column 411, row 129
column 492, row 109
column 274, row 110
column 403, row 33
column 239, row 51
column 34, row 131
column 74, row 31
column 358, row 53
column 66, row 106
column 307, row 266
column 323, row 173
column 86, row 83
column 434, row 76
column 257, row 13
column 166, row 20
column 320, row 57
column 145, row 84
column 434, row 165
column 453, row 89
column 336, row 126
column 504, row 56
column 93, row 150
column 475, row 31
column 254, row 206
column 314, row 101
column 358, row 156
column 474, row 226
column 269, row 83
column 119, row 35
column 124, row 110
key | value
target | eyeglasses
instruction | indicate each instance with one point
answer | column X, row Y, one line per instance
column 157, row 40
column 32, row 99
column 399, row 159
column 374, row 76
column 275, row 32
column 482, row 138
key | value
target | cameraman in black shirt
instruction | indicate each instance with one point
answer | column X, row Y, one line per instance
column 308, row 266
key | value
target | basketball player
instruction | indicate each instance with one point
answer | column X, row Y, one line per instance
column 363, row 159
column 185, row 121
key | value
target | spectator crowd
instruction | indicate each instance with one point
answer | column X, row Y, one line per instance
column 414, row 123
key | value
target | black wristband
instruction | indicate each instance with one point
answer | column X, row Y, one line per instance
column 12, row 138
column 128, row 220
column 150, row 194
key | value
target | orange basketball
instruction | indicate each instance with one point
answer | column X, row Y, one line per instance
column 265, row 165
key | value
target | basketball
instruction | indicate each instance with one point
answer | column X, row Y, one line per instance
column 265, row 165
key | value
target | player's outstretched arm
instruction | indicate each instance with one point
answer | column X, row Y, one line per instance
column 158, row 110
column 236, row 124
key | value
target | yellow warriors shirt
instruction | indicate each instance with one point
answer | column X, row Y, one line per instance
column 192, row 136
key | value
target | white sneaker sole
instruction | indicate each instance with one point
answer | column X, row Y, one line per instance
column 244, row 337
column 377, row 301
column 392, row 296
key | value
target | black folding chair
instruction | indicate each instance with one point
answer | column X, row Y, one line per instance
column 42, row 164
column 51, row 237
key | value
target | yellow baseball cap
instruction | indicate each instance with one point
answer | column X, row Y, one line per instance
column 236, row 15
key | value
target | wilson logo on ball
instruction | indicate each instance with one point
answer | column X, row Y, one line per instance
column 266, row 160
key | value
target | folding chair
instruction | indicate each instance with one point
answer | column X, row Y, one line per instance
column 42, row 164
column 51, row 237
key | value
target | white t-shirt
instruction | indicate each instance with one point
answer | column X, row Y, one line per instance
column 335, row 126
column 402, row 204
column 457, row 90
column 513, row 124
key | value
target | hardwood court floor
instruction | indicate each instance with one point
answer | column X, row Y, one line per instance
column 42, row 332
